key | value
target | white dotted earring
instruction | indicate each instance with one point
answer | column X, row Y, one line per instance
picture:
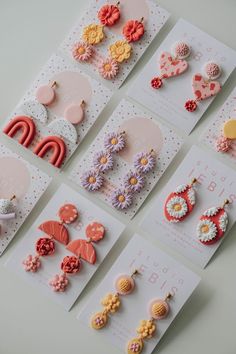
column 7, row 208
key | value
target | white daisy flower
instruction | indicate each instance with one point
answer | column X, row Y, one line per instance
column 211, row 212
column 191, row 196
column 223, row 222
column 206, row 230
column 177, row 207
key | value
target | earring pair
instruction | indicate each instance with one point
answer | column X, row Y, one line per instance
column 83, row 249
column 174, row 64
column 157, row 310
column 212, row 223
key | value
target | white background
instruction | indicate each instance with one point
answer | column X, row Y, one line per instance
column 30, row 323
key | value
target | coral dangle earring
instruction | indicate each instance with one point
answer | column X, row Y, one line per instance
column 172, row 65
column 46, row 94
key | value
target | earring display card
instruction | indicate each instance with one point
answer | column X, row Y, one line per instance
column 50, row 265
column 72, row 87
column 154, row 19
column 216, row 183
column 129, row 118
column 214, row 130
column 169, row 100
column 24, row 181
column 160, row 274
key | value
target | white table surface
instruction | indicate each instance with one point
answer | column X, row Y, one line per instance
column 29, row 322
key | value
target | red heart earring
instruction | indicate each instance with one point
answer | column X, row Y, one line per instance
column 204, row 87
column 172, row 65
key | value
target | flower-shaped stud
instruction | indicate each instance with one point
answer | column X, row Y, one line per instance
column 103, row 161
column 82, row 51
column 108, row 68
column 121, row 199
column 133, row 30
column 120, row 51
column 93, row 34
column 144, row 162
column 109, row 14
column 134, row 181
column 92, row 180
column 114, row 142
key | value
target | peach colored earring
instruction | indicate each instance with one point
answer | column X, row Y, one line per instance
column 46, row 94
column 7, row 208
column 158, row 309
column 124, row 285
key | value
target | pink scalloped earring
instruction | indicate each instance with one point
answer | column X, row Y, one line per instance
column 83, row 250
column 124, row 285
column 180, row 203
column 93, row 34
column 103, row 161
column 55, row 230
column 158, row 309
column 172, row 65
column 134, row 181
column 226, row 138
column 204, row 88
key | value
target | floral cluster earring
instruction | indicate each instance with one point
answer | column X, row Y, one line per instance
column 55, row 230
column 93, row 34
column 7, row 208
column 83, row 250
column 103, row 161
column 158, row 309
column 225, row 140
column 204, row 88
column 121, row 50
column 124, row 285
column 134, row 181
column 172, row 65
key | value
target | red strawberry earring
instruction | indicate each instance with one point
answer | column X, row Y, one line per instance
column 83, row 250
column 204, row 88
column 180, row 203
column 172, row 65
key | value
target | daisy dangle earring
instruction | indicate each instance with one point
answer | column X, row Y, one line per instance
column 172, row 65
column 180, row 203
column 213, row 224
column 124, row 285
column 93, row 34
column 204, row 88
column 158, row 309
column 134, row 181
column 103, row 161
column 121, row 50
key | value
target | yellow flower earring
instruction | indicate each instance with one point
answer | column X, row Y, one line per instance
column 124, row 285
column 158, row 309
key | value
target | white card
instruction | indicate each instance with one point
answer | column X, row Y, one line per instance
column 73, row 86
column 154, row 19
column 18, row 177
column 169, row 100
column 216, row 183
column 142, row 133
column 160, row 274
column 88, row 213
column 215, row 128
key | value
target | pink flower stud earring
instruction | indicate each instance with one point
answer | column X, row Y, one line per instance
column 134, row 181
column 225, row 140
column 180, row 203
column 204, row 88
column 83, row 250
column 171, row 66
column 55, row 230
column 213, row 224
column 158, row 309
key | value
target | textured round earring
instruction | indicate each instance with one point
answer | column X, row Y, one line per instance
column 213, row 224
column 172, row 65
column 124, row 285
column 180, row 203
column 204, row 88
column 225, row 140
column 158, row 309
column 7, row 208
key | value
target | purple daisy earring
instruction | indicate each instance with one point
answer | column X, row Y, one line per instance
column 103, row 161
column 134, row 181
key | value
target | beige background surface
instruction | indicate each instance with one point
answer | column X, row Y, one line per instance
column 32, row 324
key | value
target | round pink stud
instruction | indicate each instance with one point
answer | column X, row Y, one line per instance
column 212, row 70
column 74, row 113
column 45, row 94
column 181, row 50
column 158, row 309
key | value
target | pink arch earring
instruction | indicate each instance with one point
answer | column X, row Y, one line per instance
column 204, row 88
column 171, row 66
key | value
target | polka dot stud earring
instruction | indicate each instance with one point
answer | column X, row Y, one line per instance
column 93, row 34
column 7, row 208
column 204, row 88
column 83, row 250
column 158, row 309
column 55, row 230
column 180, row 203
column 172, row 65
column 103, row 161
column 46, row 94
column 227, row 137
column 134, row 181
column 213, row 224
column 124, row 285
